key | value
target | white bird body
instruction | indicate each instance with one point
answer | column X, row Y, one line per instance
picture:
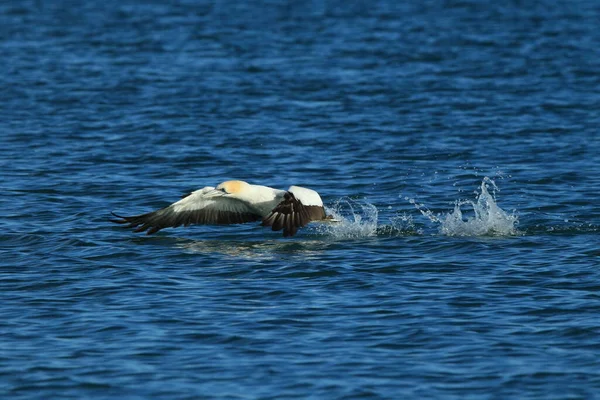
column 234, row 202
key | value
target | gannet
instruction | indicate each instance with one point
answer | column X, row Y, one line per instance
column 235, row 202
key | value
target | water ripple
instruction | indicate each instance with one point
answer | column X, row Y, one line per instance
column 456, row 144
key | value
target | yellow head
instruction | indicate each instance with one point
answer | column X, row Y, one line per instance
column 233, row 187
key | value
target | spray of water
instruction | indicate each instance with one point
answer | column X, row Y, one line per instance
column 353, row 219
column 481, row 217
column 488, row 219
column 400, row 225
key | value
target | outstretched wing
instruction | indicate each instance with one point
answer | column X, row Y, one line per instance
column 205, row 206
column 291, row 214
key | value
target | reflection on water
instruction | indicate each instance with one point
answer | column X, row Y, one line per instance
column 256, row 250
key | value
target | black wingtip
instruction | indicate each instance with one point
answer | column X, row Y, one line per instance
column 122, row 220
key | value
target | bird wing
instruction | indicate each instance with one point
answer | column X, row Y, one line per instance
column 311, row 201
column 290, row 214
column 205, row 206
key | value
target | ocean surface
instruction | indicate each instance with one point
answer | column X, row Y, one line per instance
column 457, row 141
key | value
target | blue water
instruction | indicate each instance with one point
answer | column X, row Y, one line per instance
column 458, row 142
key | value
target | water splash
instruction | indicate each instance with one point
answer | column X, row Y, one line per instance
column 400, row 225
column 354, row 219
column 488, row 219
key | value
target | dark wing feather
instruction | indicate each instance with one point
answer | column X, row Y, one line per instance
column 192, row 209
column 290, row 214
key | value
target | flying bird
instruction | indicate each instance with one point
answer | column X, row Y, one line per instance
column 236, row 202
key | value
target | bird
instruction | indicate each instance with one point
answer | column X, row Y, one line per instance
column 235, row 202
